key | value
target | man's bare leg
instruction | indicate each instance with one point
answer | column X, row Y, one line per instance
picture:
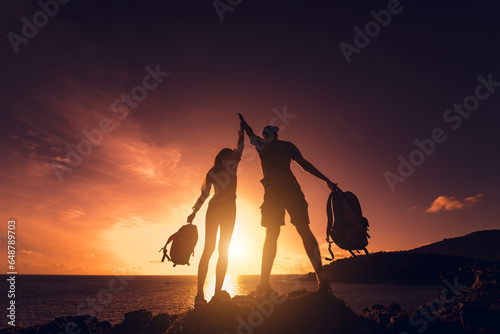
column 312, row 250
column 269, row 253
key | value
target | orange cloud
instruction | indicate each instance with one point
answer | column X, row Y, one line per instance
column 31, row 252
column 448, row 203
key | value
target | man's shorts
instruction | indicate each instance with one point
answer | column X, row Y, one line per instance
column 281, row 197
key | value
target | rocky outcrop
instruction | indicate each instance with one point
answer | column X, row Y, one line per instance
column 298, row 312
column 469, row 303
column 460, row 308
column 79, row 324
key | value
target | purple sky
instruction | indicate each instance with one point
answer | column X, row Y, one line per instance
column 352, row 120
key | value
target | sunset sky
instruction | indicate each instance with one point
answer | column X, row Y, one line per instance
column 282, row 63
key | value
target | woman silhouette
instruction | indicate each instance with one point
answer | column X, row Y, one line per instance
column 221, row 212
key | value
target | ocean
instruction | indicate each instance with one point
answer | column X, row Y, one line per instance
column 42, row 298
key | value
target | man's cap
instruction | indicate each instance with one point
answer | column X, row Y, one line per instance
column 271, row 128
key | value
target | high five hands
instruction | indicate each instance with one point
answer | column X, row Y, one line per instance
column 242, row 122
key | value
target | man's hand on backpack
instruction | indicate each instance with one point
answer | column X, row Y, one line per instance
column 331, row 185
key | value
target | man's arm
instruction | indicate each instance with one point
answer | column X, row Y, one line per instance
column 308, row 167
column 254, row 139
column 244, row 125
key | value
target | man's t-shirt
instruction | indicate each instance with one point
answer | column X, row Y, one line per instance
column 275, row 159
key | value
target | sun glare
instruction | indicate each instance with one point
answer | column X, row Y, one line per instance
column 232, row 284
column 246, row 243
column 237, row 250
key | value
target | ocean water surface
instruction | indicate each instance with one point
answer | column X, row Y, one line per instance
column 42, row 298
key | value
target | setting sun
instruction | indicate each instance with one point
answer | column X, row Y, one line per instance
column 243, row 252
column 237, row 251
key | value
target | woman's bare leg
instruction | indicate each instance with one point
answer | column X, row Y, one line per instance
column 211, row 228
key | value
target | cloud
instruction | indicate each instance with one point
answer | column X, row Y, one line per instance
column 31, row 252
column 74, row 213
column 29, row 265
column 448, row 203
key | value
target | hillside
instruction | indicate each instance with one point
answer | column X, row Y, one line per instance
column 423, row 265
column 482, row 245
column 396, row 267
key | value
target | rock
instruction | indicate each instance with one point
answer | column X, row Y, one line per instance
column 309, row 277
column 461, row 309
column 377, row 307
column 297, row 293
column 463, row 276
column 79, row 324
column 159, row 324
column 135, row 322
column 394, row 308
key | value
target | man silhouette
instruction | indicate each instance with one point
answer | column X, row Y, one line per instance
column 282, row 192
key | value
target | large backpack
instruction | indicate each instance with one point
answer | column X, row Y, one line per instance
column 350, row 229
column 183, row 243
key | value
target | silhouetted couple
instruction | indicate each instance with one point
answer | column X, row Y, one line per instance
column 282, row 192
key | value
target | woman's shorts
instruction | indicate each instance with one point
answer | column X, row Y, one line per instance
column 222, row 213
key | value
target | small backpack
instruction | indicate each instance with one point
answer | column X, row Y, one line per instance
column 183, row 243
column 350, row 229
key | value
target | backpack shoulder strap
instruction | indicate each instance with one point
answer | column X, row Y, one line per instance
column 329, row 225
column 164, row 249
column 329, row 214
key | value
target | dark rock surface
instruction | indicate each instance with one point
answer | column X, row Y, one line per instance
column 459, row 309
column 469, row 303
column 80, row 324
